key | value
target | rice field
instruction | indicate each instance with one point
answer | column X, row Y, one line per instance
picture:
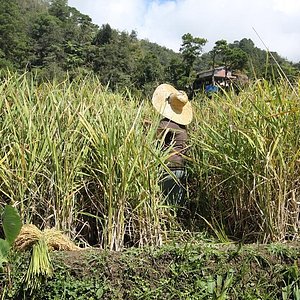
column 79, row 158
column 245, row 161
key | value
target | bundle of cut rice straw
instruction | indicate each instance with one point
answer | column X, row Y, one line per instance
column 41, row 243
column 54, row 239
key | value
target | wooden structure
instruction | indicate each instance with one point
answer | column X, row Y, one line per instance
column 212, row 80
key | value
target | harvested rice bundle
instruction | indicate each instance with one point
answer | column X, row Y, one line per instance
column 40, row 264
column 54, row 239
column 41, row 242
column 28, row 236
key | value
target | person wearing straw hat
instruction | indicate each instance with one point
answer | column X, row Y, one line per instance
column 175, row 108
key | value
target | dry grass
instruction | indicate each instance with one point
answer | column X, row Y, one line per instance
column 54, row 239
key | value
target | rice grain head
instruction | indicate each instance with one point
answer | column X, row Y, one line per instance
column 54, row 239
column 28, row 236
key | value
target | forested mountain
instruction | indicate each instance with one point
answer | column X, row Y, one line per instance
column 50, row 38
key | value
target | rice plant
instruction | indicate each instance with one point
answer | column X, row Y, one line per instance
column 78, row 158
column 42, row 153
column 123, row 170
column 245, row 152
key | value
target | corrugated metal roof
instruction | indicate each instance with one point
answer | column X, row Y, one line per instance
column 217, row 72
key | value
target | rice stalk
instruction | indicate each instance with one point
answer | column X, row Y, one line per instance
column 245, row 153
column 78, row 158
column 122, row 167
column 40, row 266
column 40, row 243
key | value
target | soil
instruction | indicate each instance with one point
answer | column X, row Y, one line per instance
column 153, row 264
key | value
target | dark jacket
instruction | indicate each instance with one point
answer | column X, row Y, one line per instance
column 175, row 136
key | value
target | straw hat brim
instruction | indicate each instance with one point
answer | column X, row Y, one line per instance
column 183, row 116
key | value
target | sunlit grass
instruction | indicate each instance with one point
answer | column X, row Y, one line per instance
column 74, row 154
column 78, row 158
column 245, row 152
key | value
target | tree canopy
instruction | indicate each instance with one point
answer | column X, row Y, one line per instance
column 52, row 39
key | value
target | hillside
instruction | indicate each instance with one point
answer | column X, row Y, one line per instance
column 51, row 39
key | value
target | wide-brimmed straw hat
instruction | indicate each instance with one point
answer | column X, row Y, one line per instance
column 172, row 104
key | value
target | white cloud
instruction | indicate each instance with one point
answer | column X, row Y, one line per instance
column 119, row 14
column 289, row 7
column 277, row 22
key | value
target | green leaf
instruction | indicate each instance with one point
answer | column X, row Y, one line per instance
column 4, row 249
column 11, row 223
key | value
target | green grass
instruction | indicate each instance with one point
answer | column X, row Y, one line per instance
column 76, row 157
column 196, row 269
column 245, row 161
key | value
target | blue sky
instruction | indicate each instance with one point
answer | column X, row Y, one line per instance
column 277, row 22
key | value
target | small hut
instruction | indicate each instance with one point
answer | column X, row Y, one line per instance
column 210, row 80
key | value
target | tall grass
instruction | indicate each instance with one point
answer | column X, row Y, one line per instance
column 42, row 151
column 124, row 168
column 76, row 157
column 245, row 161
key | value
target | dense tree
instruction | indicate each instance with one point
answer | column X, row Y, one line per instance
column 61, row 39
column 230, row 56
column 33, row 6
column 113, row 61
column 104, row 35
column 78, row 31
column 175, row 72
column 47, row 37
column 13, row 38
column 59, row 9
column 52, row 38
column 191, row 48
column 149, row 72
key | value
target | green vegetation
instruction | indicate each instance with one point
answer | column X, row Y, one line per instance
column 77, row 156
column 197, row 269
column 245, row 153
column 11, row 226
column 51, row 39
